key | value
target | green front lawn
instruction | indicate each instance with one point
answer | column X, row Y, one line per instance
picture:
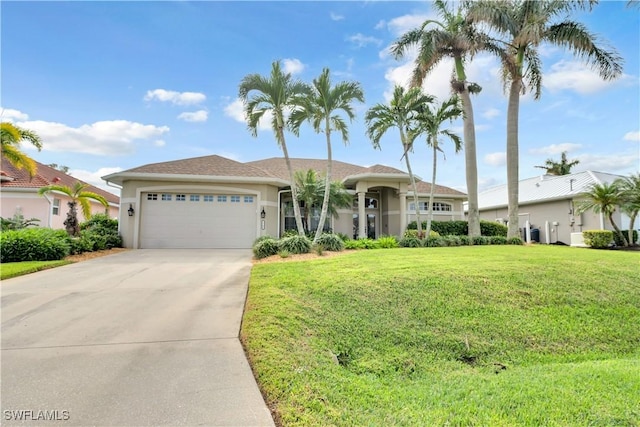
column 13, row 269
column 482, row 336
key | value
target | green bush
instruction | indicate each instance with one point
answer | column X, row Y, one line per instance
column 411, row 242
column 330, row 242
column 343, row 236
column 515, row 241
column 461, row 228
column 619, row 242
column 261, row 238
column 452, row 240
column 598, row 239
column 387, row 242
column 102, row 231
column 481, row 240
column 296, row 244
column 492, row 228
column 435, row 242
column 414, row 233
column 498, row 240
column 465, row 240
column 365, row 243
column 34, row 244
column 265, row 247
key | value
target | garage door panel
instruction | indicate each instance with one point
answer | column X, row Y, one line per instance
column 197, row 224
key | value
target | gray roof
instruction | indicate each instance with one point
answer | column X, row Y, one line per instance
column 544, row 188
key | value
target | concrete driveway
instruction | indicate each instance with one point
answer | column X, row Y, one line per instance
column 143, row 337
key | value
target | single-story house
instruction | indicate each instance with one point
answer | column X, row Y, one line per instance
column 216, row 202
column 19, row 196
column 549, row 204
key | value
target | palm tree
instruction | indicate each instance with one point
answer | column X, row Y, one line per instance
column 604, row 198
column 274, row 94
column 563, row 167
column 523, row 26
column 630, row 194
column 430, row 122
column 11, row 137
column 312, row 190
column 402, row 113
column 320, row 107
column 452, row 38
column 78, row 195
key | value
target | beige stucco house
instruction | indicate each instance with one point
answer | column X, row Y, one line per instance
column 19, row 195
column 549, row 204
column 215, row 202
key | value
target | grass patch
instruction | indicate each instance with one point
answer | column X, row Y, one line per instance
column 14, row 269
column 491, row 335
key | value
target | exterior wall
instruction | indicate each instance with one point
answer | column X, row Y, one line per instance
column 456, row 213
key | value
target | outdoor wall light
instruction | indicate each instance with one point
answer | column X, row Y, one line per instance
column 263, row 214
column 130, row 211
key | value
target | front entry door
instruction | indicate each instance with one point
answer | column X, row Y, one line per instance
column 371, row 226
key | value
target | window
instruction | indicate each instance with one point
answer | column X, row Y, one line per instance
column 235, row 199
column 56, row 207
column 152, row 196
column 222, row 199
column 442, row 207
column 194, row 197
column 166, row 197
column 181, row 197
column 424, row 206
column 208, row 198
column 248, row 199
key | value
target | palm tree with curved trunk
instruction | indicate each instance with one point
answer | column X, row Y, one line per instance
column 629, row 187
column 401, row 113
column 453, row 38
column 78, row 195
column 11, row 136
column 275, row 94
column 321, row 107
column 604, row 198
column 430, row 122
column 563, row 167
column 522, row 26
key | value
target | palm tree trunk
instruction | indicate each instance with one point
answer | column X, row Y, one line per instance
column 294, row 190
column 618, row 231
column 513, row 111
column 412, row 178
column 632, row 221
column 434, row 143
column 327, row 185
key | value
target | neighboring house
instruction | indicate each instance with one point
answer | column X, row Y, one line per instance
column 215, row 202
column 19, row 195
column 549, row 203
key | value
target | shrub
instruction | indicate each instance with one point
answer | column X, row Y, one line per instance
column 481, row 240
column 343, row 237
column 464, row 240
column 452, row 240
column 265, row 248
column 515, row 241
column 414, row 233
column 497, row 240
column 410, row 242
column 330, row 242
column 296, row 244
column 261, row 238
column 102, row 231
column 365, row 243
column 598, row 239
column 619, row 242
column 284, row 254
column 461, row 228
column 492, row 228
column 435, row 242
column 34, row 244
column 387, row 242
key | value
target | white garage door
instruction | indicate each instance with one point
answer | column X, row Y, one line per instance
column 197, row 220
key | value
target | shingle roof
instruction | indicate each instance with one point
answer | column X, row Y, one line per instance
column 206, row 165
column 546, row 187
column 45, row 175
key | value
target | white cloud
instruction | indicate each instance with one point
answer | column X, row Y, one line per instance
column 196, row 116
column 293, row 66
column 113, row 137
column 555, row 148
column 576, row 76
column 235, row 110
column 360, row 40
column 613, row 163
column 402, row 24
column 95, row 178
column 177, row 98
column 159, row 143
column 9, row 115
column 632, row 136
column 491, row 113
column 336, row 17
column 496, row 159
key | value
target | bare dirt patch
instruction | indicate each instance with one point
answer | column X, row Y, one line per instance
column 299, row 257
column 90, row 255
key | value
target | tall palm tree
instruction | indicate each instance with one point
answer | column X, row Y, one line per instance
column 275, row 94
column 78, row 195
column 604, row 198
column 563, row 167
column 430, row 123
column 321, row 107
column 630, row 194
column 454, row 38
column 522, row 27
column 11, row 136
column 401, row 113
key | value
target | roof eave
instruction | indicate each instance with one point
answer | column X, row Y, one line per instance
column 120, row 177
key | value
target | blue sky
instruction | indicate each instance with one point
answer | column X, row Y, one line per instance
column 114, row 85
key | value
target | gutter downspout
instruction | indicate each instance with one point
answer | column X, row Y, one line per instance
column 50, row 215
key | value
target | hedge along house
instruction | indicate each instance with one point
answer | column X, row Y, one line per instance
column 20, row 196
column 215, row 202
column 549, row 204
